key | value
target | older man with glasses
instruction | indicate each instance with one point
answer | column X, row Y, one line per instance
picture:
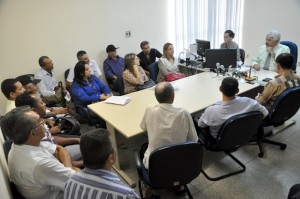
column 36, row 172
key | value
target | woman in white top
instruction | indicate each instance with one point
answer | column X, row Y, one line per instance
column 167, row 63
column 229, row 44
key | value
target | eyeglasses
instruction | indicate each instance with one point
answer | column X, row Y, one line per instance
column 40, row 123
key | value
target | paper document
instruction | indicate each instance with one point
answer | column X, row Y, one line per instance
column 121, row 100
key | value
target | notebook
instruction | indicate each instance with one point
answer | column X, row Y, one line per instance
column 120, row 100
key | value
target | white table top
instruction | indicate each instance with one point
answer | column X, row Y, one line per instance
column 194, row 93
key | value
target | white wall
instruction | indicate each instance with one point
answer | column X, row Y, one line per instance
column 59, row 29
column 263, row 16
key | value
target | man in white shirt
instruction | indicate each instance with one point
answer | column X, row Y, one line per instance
column 166, row 124
column 48, row 87
column 36, row 173
column 230, row 105
column 267, row 53
column 94, row 68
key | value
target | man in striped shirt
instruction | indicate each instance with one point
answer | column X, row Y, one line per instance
column 97, row 180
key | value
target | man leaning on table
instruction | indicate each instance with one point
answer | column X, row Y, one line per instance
column 267, row 53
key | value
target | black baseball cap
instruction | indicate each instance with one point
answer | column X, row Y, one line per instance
column 111, row 48
column 27, row 79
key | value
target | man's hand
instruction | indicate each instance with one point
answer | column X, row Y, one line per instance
column 115, row 77
column 256, row 67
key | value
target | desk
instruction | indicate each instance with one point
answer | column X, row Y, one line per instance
column 194, row 93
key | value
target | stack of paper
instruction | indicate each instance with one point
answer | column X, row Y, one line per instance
column 121, row 100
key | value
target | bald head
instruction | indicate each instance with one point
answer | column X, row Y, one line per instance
column 164, row 92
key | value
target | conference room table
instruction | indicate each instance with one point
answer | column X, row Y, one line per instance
column 194, row 93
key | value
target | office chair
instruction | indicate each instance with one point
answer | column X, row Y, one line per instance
column 236, row 131
column 153, row 69
column 294, row 51
column 285, row 106
column 170, row 166
column 120, row 84
column 16, row 194
column 242, row 55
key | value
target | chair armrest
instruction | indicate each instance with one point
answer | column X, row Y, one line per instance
column 50, row 115
column 139, row 164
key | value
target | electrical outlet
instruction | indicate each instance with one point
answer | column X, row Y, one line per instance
column 128, row 34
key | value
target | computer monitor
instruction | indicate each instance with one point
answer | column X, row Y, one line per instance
column 202, row 46
column 225, row 57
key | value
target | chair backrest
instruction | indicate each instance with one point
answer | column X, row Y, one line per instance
column 238, row 130
column 285, row 106
column 66, row 73
column 294, row 51
column 153, row 69
column 176, row 164
column 242, row 55
column 120, row 84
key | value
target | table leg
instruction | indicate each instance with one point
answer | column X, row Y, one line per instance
column 116, row 166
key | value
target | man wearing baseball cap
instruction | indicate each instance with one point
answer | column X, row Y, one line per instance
column 28, row 82
column 113, row 67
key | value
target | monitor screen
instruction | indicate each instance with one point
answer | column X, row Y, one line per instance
column 226, row 57
column 202, row 46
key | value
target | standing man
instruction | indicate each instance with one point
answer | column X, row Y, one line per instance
column 285, row 79
column 36, row 172
column 147, row 56
column 96, row 180
column 94, row 68
column 113, row 67
column 48, row 87
column 267, row 53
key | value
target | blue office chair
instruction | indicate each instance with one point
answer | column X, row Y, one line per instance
column 242, row 55
column 294, row 51
column 170, row 166
column 285, row 106
column 236, row 131
column 153, row 69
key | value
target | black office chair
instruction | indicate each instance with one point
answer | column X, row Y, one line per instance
column 16, row 194
column 153, row 69
column 120, row 84
column 285, row 106
column 236, row 131
column 242, row 55
column 170, row 166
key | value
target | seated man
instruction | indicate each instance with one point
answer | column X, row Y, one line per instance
column 147, row 56
column 97, row 177
column 48, row 88
column 94, row 68
column 113, row 67
column 71, row 143
column 285, row 79
column 166, row 124
column 36, row 172
column 266, row 54
column 11, row 88
column 215, row 115
column 30, row 84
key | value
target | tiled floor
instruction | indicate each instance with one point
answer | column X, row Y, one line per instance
column 267, row 177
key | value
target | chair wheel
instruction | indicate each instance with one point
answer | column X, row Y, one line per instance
column 283, row 147
column 260, row 155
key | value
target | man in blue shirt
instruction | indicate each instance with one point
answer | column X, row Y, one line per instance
column 113, row 67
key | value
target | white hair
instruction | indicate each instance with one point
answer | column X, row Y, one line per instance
column 275, row 34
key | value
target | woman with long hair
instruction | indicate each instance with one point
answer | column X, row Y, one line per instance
column 134, row 76
column 87, row 88
column 167, row 63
